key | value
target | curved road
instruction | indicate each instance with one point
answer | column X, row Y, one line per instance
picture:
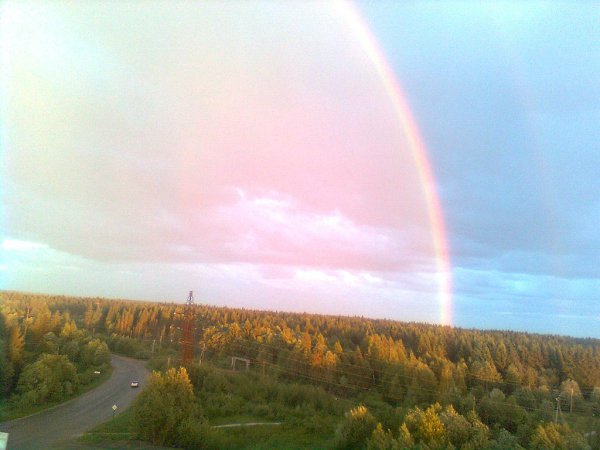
column 62, row 423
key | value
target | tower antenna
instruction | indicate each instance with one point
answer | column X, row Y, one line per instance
column 187, row 340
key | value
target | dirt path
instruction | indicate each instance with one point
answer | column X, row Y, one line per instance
column 248, row 424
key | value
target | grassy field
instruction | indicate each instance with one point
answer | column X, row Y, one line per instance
column 292, row 435
column 284, row 436
column 116, row 433
column 242, row 418
column 116, row 429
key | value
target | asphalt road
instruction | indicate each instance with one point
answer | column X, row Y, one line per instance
column 50, row 428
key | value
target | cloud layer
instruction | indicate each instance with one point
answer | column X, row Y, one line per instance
column 249, row 145
column 250, row 152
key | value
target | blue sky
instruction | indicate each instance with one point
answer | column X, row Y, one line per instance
column 251, row 153
column 507, row 95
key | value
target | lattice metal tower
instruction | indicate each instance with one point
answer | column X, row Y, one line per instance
column 187, row 340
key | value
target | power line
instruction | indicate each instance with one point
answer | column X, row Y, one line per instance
column 359, row 387
column 389, row 395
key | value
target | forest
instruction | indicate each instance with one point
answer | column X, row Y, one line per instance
column 331, row 381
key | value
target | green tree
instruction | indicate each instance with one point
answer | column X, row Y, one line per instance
column 595, row 399
column 458, row 428
column 50, row 343
column 355, row 429
column 494, row 410
column 504, row 440
column 552, row 436
column 6, row 370
column 95, row 353
column 164, row 409
column 50, row 378
column 405, row 439
column 71, row 349
column 382, row 440
column 426, row 427
column 423, row 387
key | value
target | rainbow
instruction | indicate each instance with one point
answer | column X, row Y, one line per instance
column 417, row 148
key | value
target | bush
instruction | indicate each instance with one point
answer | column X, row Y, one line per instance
column 50, row 378
column 166, row 411
column 357, row 427
column 95, row 353
column 194, row 433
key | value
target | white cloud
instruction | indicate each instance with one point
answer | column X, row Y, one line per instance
column 18, row 245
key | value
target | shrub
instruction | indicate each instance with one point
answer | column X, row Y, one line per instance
column 51, row 377
column 166, row 411
column 356, row 428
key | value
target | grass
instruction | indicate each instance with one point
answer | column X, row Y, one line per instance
column 581, row 422
column 117, row 429
column 293, row 435
column 115, row 433
column 286, row 436
column 10, row 411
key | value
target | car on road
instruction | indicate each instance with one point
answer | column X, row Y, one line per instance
column 135, row 384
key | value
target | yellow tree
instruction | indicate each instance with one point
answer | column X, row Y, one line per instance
column 16, row 345
column 41, row 324
column 166, row 409
column 426, row 427
column 357, row 427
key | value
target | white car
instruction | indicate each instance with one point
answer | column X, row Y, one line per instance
column 135, row 384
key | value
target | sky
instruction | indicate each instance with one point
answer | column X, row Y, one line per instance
column 418, row 161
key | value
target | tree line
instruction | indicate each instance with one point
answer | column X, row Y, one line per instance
column 510, row 380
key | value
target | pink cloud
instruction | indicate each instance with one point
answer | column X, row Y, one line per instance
column 277, row 229
column 263, row 150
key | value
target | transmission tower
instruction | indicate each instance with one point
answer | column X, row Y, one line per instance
column 187, row 340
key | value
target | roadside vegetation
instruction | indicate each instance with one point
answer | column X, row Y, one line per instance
column 341, row 382
column 45, row 358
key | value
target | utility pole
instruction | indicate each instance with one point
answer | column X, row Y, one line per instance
column 26, row 324
column 571, row 406
column 202, row 349
column 558, row 411
column 162, row 334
